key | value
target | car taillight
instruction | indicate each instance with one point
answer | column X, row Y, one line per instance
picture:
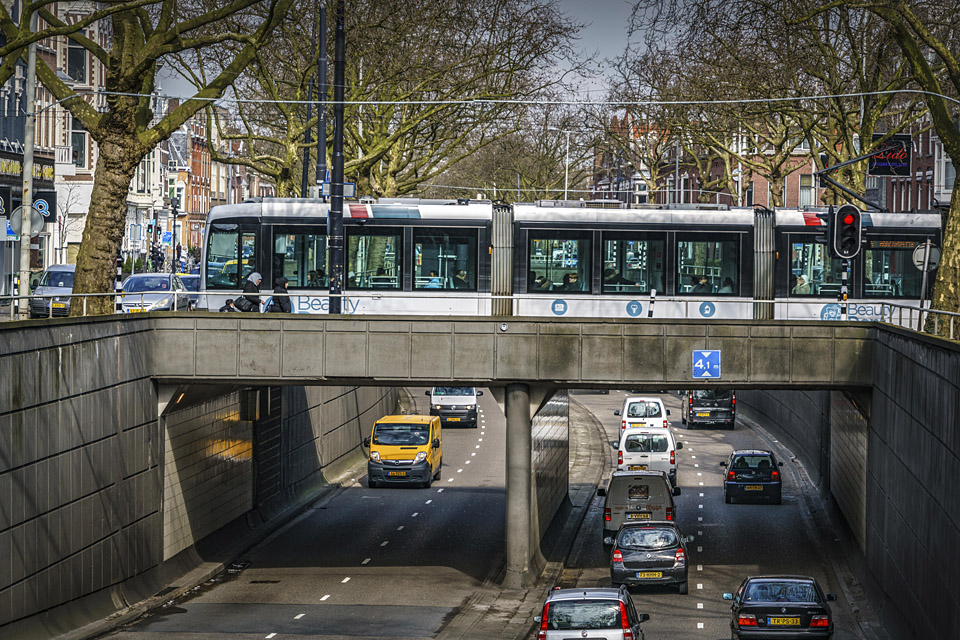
column 775, row 475
column 623, row 424
column 625, row 623
column 542, row 635
column 820, row 621
column 680, row 556
column 731, row 475
column 619, row 457
column 747, row 620
column 733, row 400
column 669, row 513
column 691, row 400
column 664, row 423
column 606, row 515
column 673, row 457
column 617, row 556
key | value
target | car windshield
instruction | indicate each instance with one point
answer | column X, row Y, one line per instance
column 147, row 283
column 57, row 279
column 651, row 538
column 392, row 433
column 645, row 443
column 761, row 462
column 711, row 394
column 767, row 591
column 643, row 410
column 453, row 391
column 190, row 284
column 584, row 614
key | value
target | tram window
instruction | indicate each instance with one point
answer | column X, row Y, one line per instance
column 632, row 264
column 708, row 267
column 373, row 259
column 813, row 273
column 445, row 259
column 231, row 256
column 558, row 263
column 300, row 255
column 888, row 269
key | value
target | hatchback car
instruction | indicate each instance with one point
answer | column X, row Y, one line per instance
column 56, row 285
column 153, row 292
column 648, row 450
column 752, row 473
column 599, row 614
column 780, row 607
column 649, row 553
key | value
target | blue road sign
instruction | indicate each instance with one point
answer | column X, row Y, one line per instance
column 167, row 237
column 706, row 364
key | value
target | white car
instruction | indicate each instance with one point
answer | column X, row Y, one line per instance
column 647, row 449
column 639, row 411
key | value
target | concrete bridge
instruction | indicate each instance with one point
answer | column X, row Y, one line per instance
column 108, row 384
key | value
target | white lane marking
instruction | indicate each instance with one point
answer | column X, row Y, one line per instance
column 365, row 561
column 428, row 501
column 700, row 506
column 460, row 470
column 479, row 439
column 699, row 586
column 696, row 465
column 681, row 435
column 701, row 484
column 400, row 528
column 699, row 473
column 415, row 514
column 474, row 453
column 298, row 616
column 699, row 625
column 699, row 533
column 449, row 479
column 345, row 580
column 324, row 597
column 699, row 518
column 699, row 549
column 269, row 635
column 439, row 490
column 701, row 495
column 693, row 457
column 384, row 543
column 478, row 446
column 699, row 567
column 467, row 462
column 699, row 605
column 483, row 433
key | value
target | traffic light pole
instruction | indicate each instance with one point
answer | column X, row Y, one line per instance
column 335, row 216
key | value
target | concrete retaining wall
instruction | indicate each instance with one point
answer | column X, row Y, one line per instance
column 550, row 429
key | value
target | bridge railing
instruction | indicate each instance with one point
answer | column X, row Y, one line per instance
column 945, row 324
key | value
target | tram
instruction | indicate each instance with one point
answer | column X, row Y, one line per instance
column 555, row 259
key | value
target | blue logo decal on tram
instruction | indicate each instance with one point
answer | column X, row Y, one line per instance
column 830, row 312
column 634, row 309
column 707, row 309
column 559, row 307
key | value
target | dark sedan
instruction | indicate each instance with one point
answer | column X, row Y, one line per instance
column 649, row 553
column 752, row 474
column 780, row 607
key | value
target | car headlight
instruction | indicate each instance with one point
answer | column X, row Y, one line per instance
column 159, row 304
column 375, row 456
column 421, row 456
column 437, row 407
column 471, row 407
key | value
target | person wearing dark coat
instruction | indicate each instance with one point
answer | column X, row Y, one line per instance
column 251, row 290
column 281, row 303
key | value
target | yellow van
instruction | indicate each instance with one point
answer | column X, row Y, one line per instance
column 404, row 450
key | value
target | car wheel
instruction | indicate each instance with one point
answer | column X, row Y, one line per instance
column 727, row 498
column 683, row 420
column 372, row 484
column 731, row 426
column 682, row 588
column 436, row 476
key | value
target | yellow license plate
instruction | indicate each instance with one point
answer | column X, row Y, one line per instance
column 59, row 305
column 753, row 487
column 783, row 621
column 134, row 310
column 650, row 574
column 637, row 467
column 701, row 414
column 396, row 473
column 454, row 419
column 638, row 516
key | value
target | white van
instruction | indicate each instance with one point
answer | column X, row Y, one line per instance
column 648, row 450
column 455, row 405
column 640, row 411
column 636, row 496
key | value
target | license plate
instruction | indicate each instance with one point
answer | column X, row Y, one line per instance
column 650, row 574
column 638, row 516
column 637, row 467
column 59, row 305
column 454, row 419
column 783, row 621
column 134, row 310
column 703, row 414
column 753, row 487
column 396, row 473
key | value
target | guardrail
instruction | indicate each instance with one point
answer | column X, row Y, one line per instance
column 928, row 320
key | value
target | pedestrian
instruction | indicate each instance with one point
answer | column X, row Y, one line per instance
column 229, row 306
column 281, row 302
column 251, row 293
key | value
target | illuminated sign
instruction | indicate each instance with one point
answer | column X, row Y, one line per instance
column 892, row 159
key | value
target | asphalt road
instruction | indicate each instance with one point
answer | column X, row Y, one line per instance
column 731, row 541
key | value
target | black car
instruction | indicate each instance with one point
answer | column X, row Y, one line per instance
column 709, row 407
column 752, row 473
column 780, row 607
column 649, row 553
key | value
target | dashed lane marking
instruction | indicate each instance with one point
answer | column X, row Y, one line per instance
column 478, row 446
column 400, row 528
column 365, row 561
column 699, row 567
column 699, row 605
column 693, row 457
column 479, row 439
column 428, row 501
column 699, row 473
column 439, row 490
column 699, row 549
column 449, row 479
column 700, row 506
column 699, row 625
column 345, row 580
column 269, row 635
column 474, row 453
column 415, row 514
column 701, row 495
column 298, row 616
column 324, row 597
column 701, row 484
column 467, row 462
column 697, row 465
column 699, row 518
column 384, row 543
column 699, row 585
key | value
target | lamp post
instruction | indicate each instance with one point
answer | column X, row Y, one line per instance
column 566, row 161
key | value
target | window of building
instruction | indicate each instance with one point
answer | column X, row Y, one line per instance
column 889, row 270
column 558, row 261
column 748, row 195
column 231, row 256
column 633, row 263
column 78, row 140
column 76, row 62
column 813, row 273
column 708, row 266
column 374, row 259
column 300, row 255
column 949, row 174
column 806, row 191
column 445, row 259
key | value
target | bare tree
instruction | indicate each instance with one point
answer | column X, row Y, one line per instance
column 68, row 199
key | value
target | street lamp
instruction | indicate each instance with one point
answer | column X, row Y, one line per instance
column 566, row 161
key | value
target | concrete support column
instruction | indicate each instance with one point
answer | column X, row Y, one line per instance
column 520, row 550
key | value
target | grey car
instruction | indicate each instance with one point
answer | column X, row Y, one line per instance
column 598, row 614
column 153, row 292
column 650, row 553
column 56, row 281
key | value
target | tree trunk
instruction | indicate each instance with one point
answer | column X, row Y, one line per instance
column 96, row 260
column 946, row 289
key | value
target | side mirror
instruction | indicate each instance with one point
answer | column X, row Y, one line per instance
column 602, row 492
column 668, row 411
column 728, row 596
column 436, row 442
column 33, row 285
column 643, row 617
column 679, row 445
column 723, row 463
column 366, row 442
column 831, row 597
column 479, row 393
column 537, row 619
column 616, row 412
column 608, row 541
column 426, row 393
column 687, row 539
column 676, row 491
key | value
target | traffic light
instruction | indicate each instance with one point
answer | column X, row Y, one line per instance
column 847, row 232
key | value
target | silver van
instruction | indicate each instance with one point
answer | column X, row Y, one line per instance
column 636, row 496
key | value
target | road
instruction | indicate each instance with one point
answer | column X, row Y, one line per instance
column 730, row 541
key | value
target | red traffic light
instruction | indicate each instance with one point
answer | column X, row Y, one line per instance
column 849, row 219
